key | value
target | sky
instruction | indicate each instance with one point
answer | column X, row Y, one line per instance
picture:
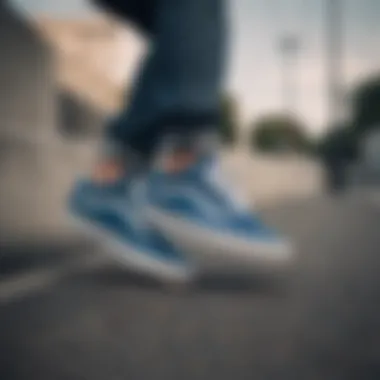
column 255, row 70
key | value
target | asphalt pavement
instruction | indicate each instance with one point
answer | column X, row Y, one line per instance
column 68, row 312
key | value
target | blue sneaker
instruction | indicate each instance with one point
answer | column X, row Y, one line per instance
column 194, row 208
column 114, row 213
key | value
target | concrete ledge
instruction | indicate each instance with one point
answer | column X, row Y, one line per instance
column 271, row 179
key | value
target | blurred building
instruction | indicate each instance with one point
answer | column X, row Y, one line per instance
column 54, row 75
column 26, row 77
column 85, row 54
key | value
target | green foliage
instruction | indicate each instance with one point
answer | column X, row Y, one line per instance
column 340, row 144
column 280, row 133
column 366, row 103
column 229, row 121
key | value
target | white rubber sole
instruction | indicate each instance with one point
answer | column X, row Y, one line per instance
column 133, row 258
column 221, row 252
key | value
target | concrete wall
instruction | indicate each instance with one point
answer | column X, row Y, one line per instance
column 38, row 178
column 27, row 113
column 26, row 77
column 77, row 119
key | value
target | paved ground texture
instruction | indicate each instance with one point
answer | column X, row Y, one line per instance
column 68, row 313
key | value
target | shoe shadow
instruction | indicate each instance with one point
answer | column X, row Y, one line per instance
column 257, row 284
column 115, row 276
column 21, row 258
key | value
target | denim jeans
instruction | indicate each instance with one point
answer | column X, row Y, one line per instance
column 179, row 87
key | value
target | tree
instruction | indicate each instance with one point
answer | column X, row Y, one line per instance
column 280, row 133
column 366, row 104
column 229, row 121
column 340, row 143
column 337, row 149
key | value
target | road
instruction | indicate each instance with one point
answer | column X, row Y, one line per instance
column 65, row 315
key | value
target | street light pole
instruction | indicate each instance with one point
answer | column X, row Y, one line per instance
column 289, row 48
column 334, row 67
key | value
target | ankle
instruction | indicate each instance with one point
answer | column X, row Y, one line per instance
column 114, row 162
column 178, row 153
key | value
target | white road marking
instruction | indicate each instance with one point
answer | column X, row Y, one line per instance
column 30, row 283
